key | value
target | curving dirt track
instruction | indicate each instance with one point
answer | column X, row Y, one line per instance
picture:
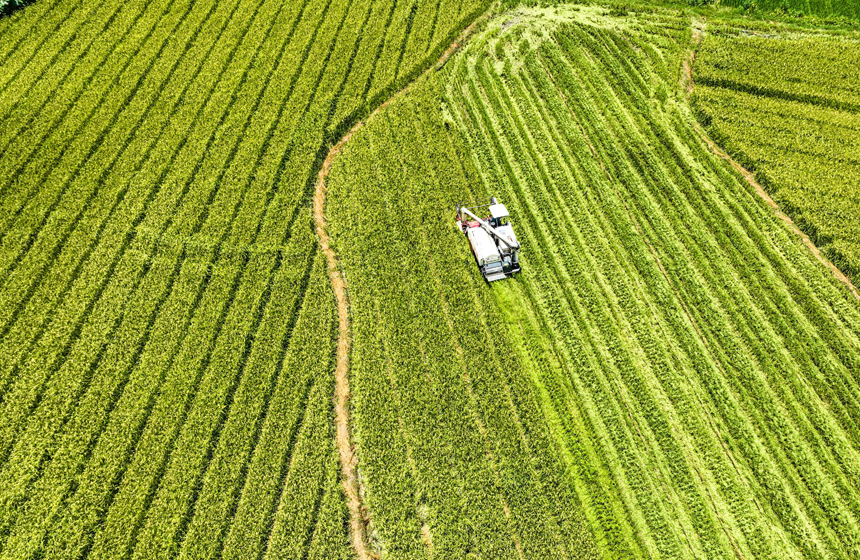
column 346, row 449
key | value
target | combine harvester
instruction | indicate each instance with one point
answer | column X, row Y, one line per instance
column 493, row 241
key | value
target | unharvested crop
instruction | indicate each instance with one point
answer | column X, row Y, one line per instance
column 821, row 8
column 166, row 326
column 789, row 108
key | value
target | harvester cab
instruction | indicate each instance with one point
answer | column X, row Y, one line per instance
column 492, row 240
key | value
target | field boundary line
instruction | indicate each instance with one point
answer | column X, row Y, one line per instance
column 688, row 85
column 345, row 447
column 749, row 176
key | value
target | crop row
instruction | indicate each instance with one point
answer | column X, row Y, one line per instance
column 125, row 236
column 682, row 325
column 534, row 230
column 166, row 327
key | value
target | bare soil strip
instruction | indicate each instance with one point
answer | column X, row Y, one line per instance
column 348, row 459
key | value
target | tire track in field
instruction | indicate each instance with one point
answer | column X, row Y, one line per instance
column 345, row 447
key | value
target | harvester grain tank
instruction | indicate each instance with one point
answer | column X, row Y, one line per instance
column 492, row 240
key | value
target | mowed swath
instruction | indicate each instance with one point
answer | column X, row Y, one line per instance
column 699, row 366
column 165, row 333
column 454, row 454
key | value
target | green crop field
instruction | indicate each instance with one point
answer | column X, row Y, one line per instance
column 789, row 108
column 237, row 319
column 673, row 374
column 165, row 333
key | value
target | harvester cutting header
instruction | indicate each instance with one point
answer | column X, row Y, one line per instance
column 493, row 241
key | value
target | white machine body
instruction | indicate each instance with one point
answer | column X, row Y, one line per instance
column 493, row 240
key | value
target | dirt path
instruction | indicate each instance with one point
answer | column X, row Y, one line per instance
column 687, row 82
column 750, row 178
column 358, row 515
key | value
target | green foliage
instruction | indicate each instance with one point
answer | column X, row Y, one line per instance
column 672, row 375
column 798, row 8
column 815, row 70
column 625, row 216
column 786, row 8
column 9, row 6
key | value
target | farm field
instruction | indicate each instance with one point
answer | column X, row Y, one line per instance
column 166, row 325
column 821, row 8
column 237, row 319
column 673, row 374
column 789, row 108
